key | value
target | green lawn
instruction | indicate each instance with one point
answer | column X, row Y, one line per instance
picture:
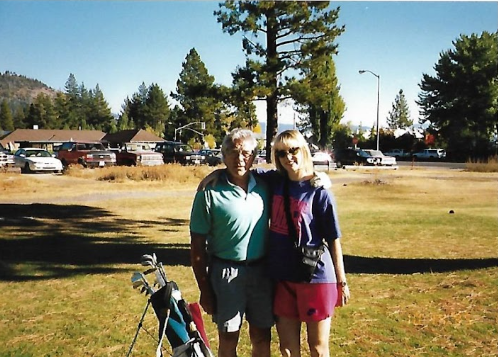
column 424, row 282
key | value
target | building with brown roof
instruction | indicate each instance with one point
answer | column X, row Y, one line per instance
column 47, row 138
column 132, row 136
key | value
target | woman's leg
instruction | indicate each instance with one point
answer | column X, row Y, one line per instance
column 289, row 331
column 318, row 337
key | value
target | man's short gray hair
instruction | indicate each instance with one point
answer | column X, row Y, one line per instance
column 238, row 134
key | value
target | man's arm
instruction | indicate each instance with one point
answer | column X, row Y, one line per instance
column 199, row 261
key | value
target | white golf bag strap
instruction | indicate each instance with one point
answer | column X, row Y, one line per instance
column 159, row 352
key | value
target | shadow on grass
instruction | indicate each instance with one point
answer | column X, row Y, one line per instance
column 45, row 241
column 375, row 265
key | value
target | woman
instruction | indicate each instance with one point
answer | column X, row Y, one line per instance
column 314, row 216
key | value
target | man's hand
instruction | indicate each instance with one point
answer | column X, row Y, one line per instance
column 207, row 301
column 321, row 179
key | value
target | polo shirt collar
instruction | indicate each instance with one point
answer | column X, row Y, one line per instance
column 250, row 185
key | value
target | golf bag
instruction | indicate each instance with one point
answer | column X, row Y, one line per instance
column 176, row 323
column 180, row 323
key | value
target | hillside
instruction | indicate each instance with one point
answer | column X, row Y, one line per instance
column 20, row 90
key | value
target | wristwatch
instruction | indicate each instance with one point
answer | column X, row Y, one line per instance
column 342, row 283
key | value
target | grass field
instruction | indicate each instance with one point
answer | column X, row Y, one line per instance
column 424, row 281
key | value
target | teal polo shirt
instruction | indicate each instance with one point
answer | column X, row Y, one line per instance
column 235, row 222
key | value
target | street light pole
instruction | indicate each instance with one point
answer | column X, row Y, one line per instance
column 203, row 126
column 361, row 71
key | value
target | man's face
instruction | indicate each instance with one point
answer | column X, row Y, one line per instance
column 239, row 159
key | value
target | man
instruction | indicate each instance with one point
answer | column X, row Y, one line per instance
column 229, row 228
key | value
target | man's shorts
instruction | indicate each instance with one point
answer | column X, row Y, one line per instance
column 305, row 302
column 241, row 290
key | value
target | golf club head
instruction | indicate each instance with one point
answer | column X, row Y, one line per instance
column 138, row 279
column 138, row 284
column 147, row 260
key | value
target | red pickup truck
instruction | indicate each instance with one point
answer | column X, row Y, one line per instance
column 87, row 154
column 136, row 154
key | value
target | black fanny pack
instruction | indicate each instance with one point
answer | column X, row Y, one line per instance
column 307, row 261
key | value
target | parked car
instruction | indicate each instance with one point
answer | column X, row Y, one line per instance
column 176, row 152
column 260, row 157
column 87, row 154
column 6, row 160
column 4, row 150
column 213, row 156
column 384, row 159
column 35, row 159
column 428, row 154
column 398, row 154
column 323, row 158
column 357, row 157
column 136, row 154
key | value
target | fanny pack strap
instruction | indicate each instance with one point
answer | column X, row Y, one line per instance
column 290, row 223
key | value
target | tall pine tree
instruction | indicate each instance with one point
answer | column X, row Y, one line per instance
column 6, row 121
column 280, row 37
column 317, row 93
column 198, row 98
column 461, row 102
column 399, row 116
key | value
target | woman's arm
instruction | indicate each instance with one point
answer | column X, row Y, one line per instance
column 340, row 272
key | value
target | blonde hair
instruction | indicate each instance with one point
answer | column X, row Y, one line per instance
column 291, row 139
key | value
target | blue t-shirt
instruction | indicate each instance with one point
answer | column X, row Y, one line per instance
column 235, row 222
column 315, row 217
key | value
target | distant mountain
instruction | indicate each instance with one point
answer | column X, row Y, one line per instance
column 20, row 90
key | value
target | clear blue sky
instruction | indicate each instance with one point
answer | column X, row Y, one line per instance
column 120, row 44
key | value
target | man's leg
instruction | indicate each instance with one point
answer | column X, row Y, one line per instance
column 260, row 341
column 318, row 337
column 228, row 344
column 289, row 331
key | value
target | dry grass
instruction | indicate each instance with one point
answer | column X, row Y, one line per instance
column 423, row 280
column 490, row 165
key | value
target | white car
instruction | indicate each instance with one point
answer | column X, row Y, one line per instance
column 384, row 160
column 430, row 154
column 323, row 158
column 34, row 159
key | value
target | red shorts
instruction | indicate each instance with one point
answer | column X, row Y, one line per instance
column 305, row 302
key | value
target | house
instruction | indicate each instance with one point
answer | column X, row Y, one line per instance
column 50, row 139
column 132, row 136
column 47, row 138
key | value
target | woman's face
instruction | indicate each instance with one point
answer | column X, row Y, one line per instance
column 290, row 157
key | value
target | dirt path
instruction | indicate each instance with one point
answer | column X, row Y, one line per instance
column 62, row 189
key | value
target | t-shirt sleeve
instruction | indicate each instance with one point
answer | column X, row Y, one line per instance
column 328, row 222
column 200, row 221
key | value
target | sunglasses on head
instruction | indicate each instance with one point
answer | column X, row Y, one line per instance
column 284, row 153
